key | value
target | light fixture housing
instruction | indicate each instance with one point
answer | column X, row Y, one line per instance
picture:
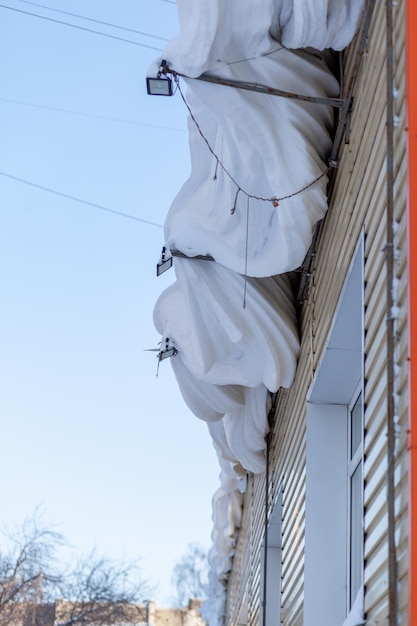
column 159, row 86
column 166, row 354
column 164, row 263
column 167, row 351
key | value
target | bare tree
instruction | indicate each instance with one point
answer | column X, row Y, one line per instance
column 94, row 589
column 27, row 567
column 101, row 590
column 190, row 574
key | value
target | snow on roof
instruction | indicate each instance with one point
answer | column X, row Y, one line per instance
column 256, row 190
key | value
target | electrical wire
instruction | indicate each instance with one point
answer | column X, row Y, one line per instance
column 76, row 199
column 91, row 19
column 259, row 56
column 83, row 28
column 275, row 200
column 92, row 115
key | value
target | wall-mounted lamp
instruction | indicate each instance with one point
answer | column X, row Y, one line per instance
column 164, row 263
column 161, row 85
column 167, row 351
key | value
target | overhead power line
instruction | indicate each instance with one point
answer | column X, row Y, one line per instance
column 76, row 199
column 91, row 19
column 91, row 115
column 83, row 28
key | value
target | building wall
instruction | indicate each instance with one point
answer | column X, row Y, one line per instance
column 188, row 616
column 358, row 205
column 147, row 614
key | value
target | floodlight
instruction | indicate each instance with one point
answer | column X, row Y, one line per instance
column 164, row 263
column 165, row 354
column 167, row 351
column 159, row 86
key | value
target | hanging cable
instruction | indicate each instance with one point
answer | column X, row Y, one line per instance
column 83, row 28
column 76, row 199
column 275, row 200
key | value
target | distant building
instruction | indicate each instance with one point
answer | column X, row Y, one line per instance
column 63, row 613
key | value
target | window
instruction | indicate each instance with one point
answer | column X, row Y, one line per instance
column 355, row 499
column 333, row 572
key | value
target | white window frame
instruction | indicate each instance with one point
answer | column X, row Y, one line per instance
column 337, row 383
column 354, row 462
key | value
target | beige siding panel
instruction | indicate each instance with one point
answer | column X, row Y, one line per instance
column 376, row 548
column 375, row 366
column 375, row 490
column 375, row 405
column 378, row 526
column 293, row 495
column 292, row 602
column 292, row 451
column 375, row 309
column 292, row 470
column 292, row 554
column 376, row 600
column 376, row 564
column 375, row 475
column 291, row 519
column 400, row 186
column 375, row 272
column 376, row 576
column 358, row 202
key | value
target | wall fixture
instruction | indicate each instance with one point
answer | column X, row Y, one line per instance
column 167, row 351
column 161, row 85
column 164, row 263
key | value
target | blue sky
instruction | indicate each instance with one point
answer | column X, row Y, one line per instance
column 88, row 431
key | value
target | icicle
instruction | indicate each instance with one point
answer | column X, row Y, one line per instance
column 235, row 202
column 246, row 253
column 215, row 171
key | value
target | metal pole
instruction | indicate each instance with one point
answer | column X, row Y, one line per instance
column 391, row 318
column 411, row 91
column 260, row 88
column 265, row 572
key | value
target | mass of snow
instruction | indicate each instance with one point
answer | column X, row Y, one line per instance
column 256, row 190
column 229, row 356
